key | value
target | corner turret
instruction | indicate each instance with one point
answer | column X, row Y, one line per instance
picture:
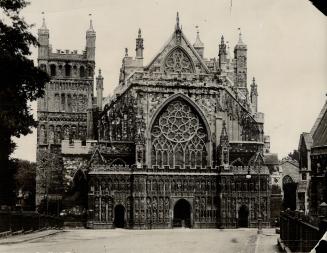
column 99, row 90
column 90, row 43
column 222, row 54
column 198, row 44
column 43, row 39
column 254, row 96
column 240, row 57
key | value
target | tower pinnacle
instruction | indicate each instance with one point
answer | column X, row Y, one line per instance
column 91, row 24
column 177, row 22
column 240, row 41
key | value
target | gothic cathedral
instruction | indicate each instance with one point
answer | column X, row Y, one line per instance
column 179, row 143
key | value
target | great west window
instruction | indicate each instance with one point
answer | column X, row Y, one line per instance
column 179, row 137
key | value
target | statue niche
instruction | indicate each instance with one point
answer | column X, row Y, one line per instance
column 179, row 137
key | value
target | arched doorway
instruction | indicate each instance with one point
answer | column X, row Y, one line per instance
column 243, row 216
column 289, row 189
column 119, row 220
column 182, row 214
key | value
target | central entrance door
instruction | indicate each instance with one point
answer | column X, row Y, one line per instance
column 119, row 220
column 182, row 214
column 243, row 216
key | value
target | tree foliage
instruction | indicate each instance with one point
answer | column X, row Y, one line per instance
column 295, row 155
column 25, row 183
column 21, row 82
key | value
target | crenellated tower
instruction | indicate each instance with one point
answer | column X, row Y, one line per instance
column 63, row 111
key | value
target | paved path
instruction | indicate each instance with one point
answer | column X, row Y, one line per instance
column 143, row 241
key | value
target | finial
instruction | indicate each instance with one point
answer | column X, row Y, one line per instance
column 198, row 43
column 139, row 33
column 43, row 21
column 99, row 72
column 253, row 80
column 177, row 21
column 222, row 39
column 126, row 52
column 91, row 23
column 240, row 36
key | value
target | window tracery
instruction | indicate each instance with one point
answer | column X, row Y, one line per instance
column 179, row 137
column 178, row 61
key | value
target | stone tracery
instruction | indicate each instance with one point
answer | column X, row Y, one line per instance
column 179, row 62
column 179, row 137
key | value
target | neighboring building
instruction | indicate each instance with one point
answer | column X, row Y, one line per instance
column 318, row 182
column 179, row 143
column 304, row 149
column 289, row 183
column 272, row 162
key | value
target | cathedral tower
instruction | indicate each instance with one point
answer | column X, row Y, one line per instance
column 62, row 112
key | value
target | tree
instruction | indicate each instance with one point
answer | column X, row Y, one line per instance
column 295, row 155
column 25, row 183
column 21, row 82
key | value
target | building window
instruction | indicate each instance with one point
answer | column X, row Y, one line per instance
column 82, row 71
column 53, row 70
column 68, row 70
column 179, row 137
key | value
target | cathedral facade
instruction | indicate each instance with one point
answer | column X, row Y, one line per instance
column 180, row 142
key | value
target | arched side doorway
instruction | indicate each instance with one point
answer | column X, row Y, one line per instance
column 119, row 220
column 243, row 216
column 289, row 189
column 182, row 214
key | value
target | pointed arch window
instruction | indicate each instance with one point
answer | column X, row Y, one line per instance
column 178, row 62
column 179, row 137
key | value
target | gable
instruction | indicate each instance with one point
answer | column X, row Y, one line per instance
column 178, row 56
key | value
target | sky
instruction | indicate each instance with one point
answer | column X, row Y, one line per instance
column 287, row 49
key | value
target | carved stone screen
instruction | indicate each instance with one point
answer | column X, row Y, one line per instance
column 179, row 62
column 178, row 137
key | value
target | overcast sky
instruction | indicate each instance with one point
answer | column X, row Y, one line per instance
column 287, row 48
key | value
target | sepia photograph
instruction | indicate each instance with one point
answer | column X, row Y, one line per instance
column 180, row 126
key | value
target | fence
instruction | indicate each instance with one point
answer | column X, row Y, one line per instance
column 300, row 233
column 15, row 222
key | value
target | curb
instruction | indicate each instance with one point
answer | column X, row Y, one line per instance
column 30, row 239
column 282, row 246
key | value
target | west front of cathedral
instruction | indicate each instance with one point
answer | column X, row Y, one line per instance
column 179, row 143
